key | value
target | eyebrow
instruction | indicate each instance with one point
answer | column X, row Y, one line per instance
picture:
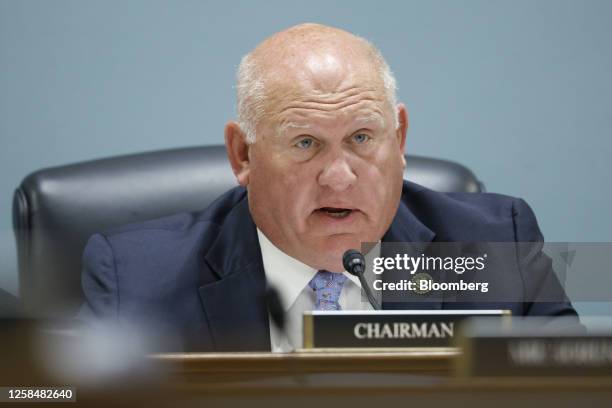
column 372, row 117
column 292, row 125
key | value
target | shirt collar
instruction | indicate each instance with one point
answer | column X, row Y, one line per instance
column 286, row 274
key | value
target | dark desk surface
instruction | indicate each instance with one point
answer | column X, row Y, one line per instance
column 374, row 379
column 409, row 377
column 217, row 367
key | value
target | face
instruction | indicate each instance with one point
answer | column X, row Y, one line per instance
column 325, row 173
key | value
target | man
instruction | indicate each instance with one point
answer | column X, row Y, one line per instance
column 318, row 151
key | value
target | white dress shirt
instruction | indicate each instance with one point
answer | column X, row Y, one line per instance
column 290, row 278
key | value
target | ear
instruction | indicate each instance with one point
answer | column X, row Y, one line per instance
column 402, row 129
column 238, row 152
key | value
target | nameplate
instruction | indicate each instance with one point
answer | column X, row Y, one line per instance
column 513, row 352
column 386, row 328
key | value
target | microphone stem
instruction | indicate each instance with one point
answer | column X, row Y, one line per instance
column 368, row 292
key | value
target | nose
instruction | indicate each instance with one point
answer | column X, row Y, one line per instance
column 337, row 174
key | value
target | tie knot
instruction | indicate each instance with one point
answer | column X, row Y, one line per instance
column 327, row 287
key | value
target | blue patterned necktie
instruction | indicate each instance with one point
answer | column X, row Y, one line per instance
column 327, row 287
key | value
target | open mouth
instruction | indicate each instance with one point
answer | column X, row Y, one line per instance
column 335, row 212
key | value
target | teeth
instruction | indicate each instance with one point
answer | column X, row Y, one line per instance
column 336, row 213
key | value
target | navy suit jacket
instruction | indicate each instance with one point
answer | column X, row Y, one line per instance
column 199, row 277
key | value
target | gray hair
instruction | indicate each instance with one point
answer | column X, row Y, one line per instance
column 250, row 88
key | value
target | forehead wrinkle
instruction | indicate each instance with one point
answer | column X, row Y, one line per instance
column 341, row 101
column 298, row 119
column 294, row 108
column 309, row 102
column 336, row 97
column 289, row 89
column 344, row 108
column 286, row 125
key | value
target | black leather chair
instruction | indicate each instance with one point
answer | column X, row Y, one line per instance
column 55, row 210
column 9, row 305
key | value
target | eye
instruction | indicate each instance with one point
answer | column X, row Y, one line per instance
column 305, row 143
column 361, row 138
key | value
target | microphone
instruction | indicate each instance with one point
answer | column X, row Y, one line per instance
column 275, row 308
column 354, row 263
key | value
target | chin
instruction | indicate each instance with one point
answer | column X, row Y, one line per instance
column 330, row 262
column 331, row 250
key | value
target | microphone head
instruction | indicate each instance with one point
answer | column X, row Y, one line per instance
column 354, row 262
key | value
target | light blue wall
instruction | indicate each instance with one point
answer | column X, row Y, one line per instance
column 520, row 91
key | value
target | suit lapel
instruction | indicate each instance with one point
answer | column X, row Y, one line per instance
column 408, row 235
column 234, row 304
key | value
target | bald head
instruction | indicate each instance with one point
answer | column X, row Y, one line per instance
column 321, row 58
